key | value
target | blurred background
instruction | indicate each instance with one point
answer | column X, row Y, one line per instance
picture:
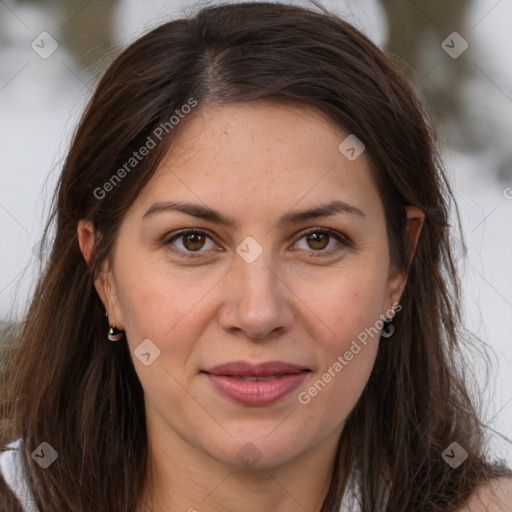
column 456, row 53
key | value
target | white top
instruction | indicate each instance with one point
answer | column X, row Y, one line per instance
column 11, row 470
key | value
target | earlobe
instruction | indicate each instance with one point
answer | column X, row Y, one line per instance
column 396, row 284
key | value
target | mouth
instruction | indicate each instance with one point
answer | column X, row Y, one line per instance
column 257, row 379
column 260, row 384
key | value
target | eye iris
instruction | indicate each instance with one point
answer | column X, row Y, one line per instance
column 193, row 238
column 194, row 241
column 318, row 238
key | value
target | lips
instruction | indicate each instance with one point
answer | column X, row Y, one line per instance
column 260, row 384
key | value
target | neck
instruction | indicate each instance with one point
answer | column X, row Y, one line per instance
column 183, row 478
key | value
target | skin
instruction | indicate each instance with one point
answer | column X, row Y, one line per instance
column 493, row 497
column 254, row 163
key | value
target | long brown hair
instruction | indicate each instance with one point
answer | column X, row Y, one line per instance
column 64, row 384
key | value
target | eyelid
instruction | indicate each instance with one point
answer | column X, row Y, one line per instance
column 176, row 234
column 340, row 237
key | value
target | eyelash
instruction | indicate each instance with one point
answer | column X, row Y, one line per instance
column 344, row 241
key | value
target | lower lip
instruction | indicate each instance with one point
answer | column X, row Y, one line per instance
column 253, row 392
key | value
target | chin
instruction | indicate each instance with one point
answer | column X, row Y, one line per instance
column 257, row 450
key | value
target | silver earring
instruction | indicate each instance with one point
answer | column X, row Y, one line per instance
column 388, row 328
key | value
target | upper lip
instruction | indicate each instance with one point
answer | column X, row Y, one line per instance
column 246, row 369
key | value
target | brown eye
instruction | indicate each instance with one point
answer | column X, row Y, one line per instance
column 190, row 241
column 318, row 240
column 193, row 241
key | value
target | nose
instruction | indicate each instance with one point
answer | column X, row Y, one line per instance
column 259, row 304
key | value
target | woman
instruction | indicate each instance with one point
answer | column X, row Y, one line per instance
column 254, row 201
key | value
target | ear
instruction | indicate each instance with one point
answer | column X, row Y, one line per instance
column 397, row 280
column 103, row 281
column 415, row 220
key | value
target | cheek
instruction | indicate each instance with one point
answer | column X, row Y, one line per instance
column 348, row 358
column 345, row 302
column 350, row 309
column 160, row 308
column 336, row 391
column 155, row 299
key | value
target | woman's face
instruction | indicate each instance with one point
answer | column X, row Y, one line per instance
column 251, row 286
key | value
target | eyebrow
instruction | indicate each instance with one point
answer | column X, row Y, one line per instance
column 206, row 213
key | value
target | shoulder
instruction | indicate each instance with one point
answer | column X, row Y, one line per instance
column 495, row 496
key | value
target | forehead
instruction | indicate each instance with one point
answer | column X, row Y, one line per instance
column 259, row 155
